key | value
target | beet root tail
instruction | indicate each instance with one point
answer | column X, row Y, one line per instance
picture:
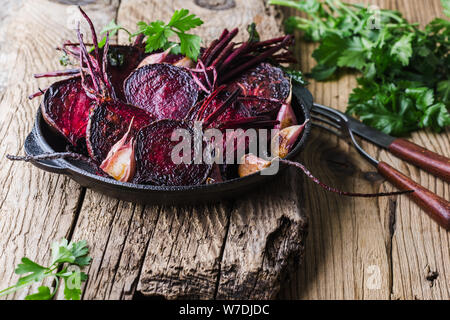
column 342, row 193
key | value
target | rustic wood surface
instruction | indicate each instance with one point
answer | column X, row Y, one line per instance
column 232, row 249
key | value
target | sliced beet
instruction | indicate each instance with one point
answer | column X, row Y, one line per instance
column 154, row 157
column 66, row 109
column 108, row 123
column 263, row 81
column 166, row 91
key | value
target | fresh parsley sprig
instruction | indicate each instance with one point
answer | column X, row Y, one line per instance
column 158, row 33
column 67, row 259
column 404, row 83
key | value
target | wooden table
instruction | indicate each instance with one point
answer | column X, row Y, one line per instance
column 356, row 249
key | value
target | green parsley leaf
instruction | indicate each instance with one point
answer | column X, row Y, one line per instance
column 403, row 83
column 42, row 294
column 67, row 257
column 157, row 34
column 183, row 21
column 402, row 49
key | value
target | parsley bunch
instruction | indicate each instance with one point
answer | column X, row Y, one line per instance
column 67, row 259
column 158, row 33
column 404, row 71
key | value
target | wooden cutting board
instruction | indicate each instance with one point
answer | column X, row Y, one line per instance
column 239, row 249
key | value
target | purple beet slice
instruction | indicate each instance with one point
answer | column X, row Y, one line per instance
column 66, row 109
column 166, row 91
column 154, row 157
column 108, row 123
column 264, row 81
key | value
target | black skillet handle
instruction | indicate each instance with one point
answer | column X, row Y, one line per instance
column 35, row 146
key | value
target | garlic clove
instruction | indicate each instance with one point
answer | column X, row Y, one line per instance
column 286, row 117
column 120, row 163
column 184, row 63
column 285, row 139
column 251, row 164
column 155, row 58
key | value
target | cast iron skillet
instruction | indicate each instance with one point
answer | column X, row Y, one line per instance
column 43, row 140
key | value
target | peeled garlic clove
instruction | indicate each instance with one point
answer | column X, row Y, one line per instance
column 184, row 63
column 251, row 164
column 285, row 139
column 120, row 163
column 286, row 117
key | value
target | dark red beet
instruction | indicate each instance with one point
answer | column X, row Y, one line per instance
column 108, row 123
column 66, row 108
column 263, row 81
column 166, row 91
column 154, row 161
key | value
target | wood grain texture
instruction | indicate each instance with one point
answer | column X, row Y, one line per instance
column 36, row 207
column 352, row 239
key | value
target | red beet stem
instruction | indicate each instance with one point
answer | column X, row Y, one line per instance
column 213, row 116
column 267, row 42
column 250, row 122
column 94, row 34
column 234, row 55
column 208, row 101
column 222, row 56
column 250, row 97
column 213, row 44
column 342, row 193
column 138, row 41
column 37, row 94
column 220, row 46
column 52, row 156
column 104, row 65
column 256, row 59
column 59, row 73
column 84, row 55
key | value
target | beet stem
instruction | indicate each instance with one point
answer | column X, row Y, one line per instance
column 342, row 193
column 214, row 44
column 94, row 34
column 37, row 94
column 51, row 156
column 256, row 59
column 220, row 46
column 233, row 56
column 213, row 116
column 208, row 101
column 223, row 55
column 59, row 73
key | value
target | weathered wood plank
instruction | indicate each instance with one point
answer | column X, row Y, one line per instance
column 36, row 207
column 348, row 236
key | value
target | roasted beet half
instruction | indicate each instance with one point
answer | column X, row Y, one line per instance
column 154, row 147
column 108, row 123
column 66, row 109
column 166, row 91
column 264, row 81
